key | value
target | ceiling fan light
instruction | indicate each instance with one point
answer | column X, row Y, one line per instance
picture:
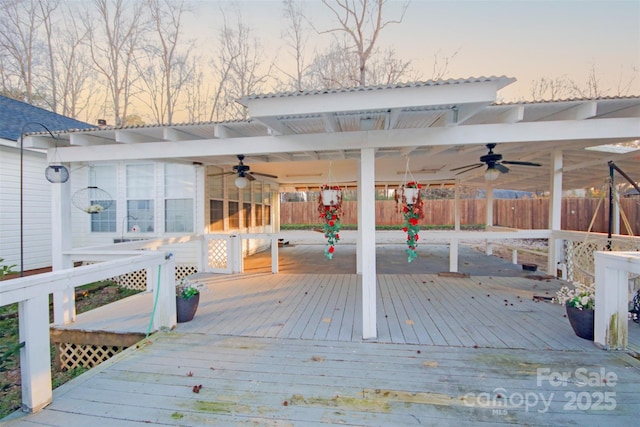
column 491, row 174
column 241, row 182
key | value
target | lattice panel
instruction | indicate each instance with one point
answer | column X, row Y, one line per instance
column 136, row 280
column 581, row 262
column 217, row 253
column 72, row 355
column 185, row 270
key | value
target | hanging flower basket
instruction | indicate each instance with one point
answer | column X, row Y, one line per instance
column 330, row 209
column 410, row 202
column 92, row 200
column 330, row 197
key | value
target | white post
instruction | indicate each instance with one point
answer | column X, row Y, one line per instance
column 456, row 206
column 165, row 311
column 359, row 267
column 556, row 254
column 35, row 356
column 453, row 255
column 488, row 220
column 64, row 303
column 367, row 239
column 274, row 254
column 611, row 324
column 235, row 253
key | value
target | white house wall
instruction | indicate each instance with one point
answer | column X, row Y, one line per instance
column 36, row 212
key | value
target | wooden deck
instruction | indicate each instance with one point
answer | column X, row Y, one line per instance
column 286, row 349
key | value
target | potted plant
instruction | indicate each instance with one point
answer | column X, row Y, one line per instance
column 187, row 299
column 408, row 197
column 330, row 208
column 580, row 304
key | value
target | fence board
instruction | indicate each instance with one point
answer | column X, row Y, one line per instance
column 528, row 214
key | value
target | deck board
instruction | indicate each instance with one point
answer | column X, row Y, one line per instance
column 246, row 380
column 260, row 339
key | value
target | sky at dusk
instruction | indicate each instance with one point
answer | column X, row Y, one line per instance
column 522, row 39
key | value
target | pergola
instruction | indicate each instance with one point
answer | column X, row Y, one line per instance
column 368, row 133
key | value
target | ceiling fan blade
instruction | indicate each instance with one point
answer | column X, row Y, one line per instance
column 502, row 168
column 470, row 168
column 266, row 175
column 249, row 176
column 521, row 163
column 473, row 166
column 222, row 173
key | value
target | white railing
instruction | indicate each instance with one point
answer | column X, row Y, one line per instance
column 611, row 324
column 32, row 295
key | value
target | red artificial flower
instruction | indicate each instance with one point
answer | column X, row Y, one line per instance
column 331, row 249
column 416, row 237
column 334, row 216
column 404, row 229
column 331, row 223
column 413, row 221
column 337, row 236
column 405, row 209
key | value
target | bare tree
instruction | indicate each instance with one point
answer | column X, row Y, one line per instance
column 551, row 89
column 75, row 91
column 46, row 9
column 168, row 68
column 19, row 20
column 296, row 37
column 241, row 68
column 113, row 42
column 335, row 68
column 361, row 21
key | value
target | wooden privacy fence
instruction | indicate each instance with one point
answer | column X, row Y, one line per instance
column 527, row 214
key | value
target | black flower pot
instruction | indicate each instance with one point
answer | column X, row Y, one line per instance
column 581, row 322
column 186, row 308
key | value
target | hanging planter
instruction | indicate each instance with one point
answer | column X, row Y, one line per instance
column 412, row 207
column 330, row 208
column 92, row 200
column 331, row 196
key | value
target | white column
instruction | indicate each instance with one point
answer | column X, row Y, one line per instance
column 367, row 241
column 611, row 324
column 489, row 217
column 453, row 255
column 200, row 200
column 456, row 205
column 164, row 316
column 616, row 211
column 359, row 267
column 64, row 304
column 274, row 254
column 555, row 212
column 35, row 356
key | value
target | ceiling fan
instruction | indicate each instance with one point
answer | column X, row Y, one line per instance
column 495, row 164
column 244, row 176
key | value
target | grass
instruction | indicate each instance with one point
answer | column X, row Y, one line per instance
column 88, row 297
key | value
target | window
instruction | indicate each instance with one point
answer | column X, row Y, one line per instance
column 266, row 199
column 140, row 195
column 179, row 181
column 104, row 177
column 234, row 215
column 246, row 211
column 216, row 215
column 258, row 215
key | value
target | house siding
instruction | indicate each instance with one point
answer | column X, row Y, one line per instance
column 36, row 209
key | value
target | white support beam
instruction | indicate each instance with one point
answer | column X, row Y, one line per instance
column 172, row 134
column 512, row 115
column 64, row 303
column 612, row 130
column 555, row 211
column 581, row 111
column 130, row 137
column 367, row 238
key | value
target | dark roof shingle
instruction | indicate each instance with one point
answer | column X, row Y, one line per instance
column 16, row 114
